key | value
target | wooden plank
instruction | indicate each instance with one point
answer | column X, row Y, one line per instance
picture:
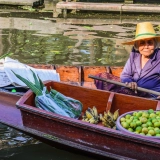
column 71, row 74
column 41, row 66
column 18, row 2
column 89, row 6
column 93, row 70
column 116, row 7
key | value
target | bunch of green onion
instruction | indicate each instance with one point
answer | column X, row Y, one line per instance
column 52, row 101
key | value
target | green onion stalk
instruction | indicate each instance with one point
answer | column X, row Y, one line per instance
column 52, row 101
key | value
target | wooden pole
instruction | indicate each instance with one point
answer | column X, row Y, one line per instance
column 124, row 85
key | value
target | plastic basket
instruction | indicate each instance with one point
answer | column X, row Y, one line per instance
column 120, row 128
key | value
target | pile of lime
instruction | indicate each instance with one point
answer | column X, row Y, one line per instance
column 142, row 122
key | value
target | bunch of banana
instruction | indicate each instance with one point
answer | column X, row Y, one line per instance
column 91, row 115
column 108, row 119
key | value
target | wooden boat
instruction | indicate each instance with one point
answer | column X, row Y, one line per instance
column 76, row 135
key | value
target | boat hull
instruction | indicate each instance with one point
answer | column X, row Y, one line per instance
column 91, row 138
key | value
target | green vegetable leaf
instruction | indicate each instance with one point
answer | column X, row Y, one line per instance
column 5, row 55
column 31, row 85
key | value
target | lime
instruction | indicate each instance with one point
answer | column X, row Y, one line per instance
column 150, row 128
column 127, row 116
column 125, row 125
column 135, row 120
column 128, row 121
column 136, row 132
column 142, row 133
column 134, row 113
column 139, row 114
column 157, row 132
column 138, row 129
column 150, row 111
column 131, row 118
column 145, row 114
column 144, row 125
column 133, row 125
column 156, row 124
column 151, row 132
column 156, row 128
column 149, row 124
column 122, row 119
column 143, row 119
column 158, row 117
column 154, row 120
column 13, row 90
column 152, row 115
column 158, row 113
column 130, row 129
column 149, row 119
column 138, row 123
column 145, row 130
column 135, row 117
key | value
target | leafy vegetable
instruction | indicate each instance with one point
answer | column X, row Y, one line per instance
column 52, row 101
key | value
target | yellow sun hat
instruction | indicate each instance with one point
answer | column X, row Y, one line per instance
column 144, row 30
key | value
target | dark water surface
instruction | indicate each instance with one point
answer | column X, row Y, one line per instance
column 39, row 38
column 15, row 145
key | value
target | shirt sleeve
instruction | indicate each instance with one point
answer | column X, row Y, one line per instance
column 126, row 75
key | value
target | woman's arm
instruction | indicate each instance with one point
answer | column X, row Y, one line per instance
column 126, row 75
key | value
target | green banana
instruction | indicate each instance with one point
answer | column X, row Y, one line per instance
column 110, row 114
column 95, row 111
column 88, row 114
column 108, row 119
column 91, row 115
column 116, row 115
column 91, row 111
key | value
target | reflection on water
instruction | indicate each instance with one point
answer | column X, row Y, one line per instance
column 69, row 42
column 50, row 41
column 15, row 145
column 10, row 138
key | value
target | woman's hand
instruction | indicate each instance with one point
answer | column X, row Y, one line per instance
column 132, row 85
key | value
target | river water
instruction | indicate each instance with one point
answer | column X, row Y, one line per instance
column 35, row 37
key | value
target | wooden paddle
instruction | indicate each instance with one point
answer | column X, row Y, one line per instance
column 124, row 85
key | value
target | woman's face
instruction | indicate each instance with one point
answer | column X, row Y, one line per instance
column 146, row 47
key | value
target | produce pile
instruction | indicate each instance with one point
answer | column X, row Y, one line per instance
column 91, row 115
column 142, row 122
column 52, row 101
column 108, row 119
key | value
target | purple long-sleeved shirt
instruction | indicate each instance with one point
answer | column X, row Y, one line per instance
column 148, row 77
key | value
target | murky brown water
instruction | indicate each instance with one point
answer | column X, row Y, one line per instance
column 39, row 38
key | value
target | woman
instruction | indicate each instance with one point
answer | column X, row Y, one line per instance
column 143, row 66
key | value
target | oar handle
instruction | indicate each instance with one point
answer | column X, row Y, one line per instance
column 124, row 85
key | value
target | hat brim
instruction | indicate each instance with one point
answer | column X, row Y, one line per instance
column 140, row 38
